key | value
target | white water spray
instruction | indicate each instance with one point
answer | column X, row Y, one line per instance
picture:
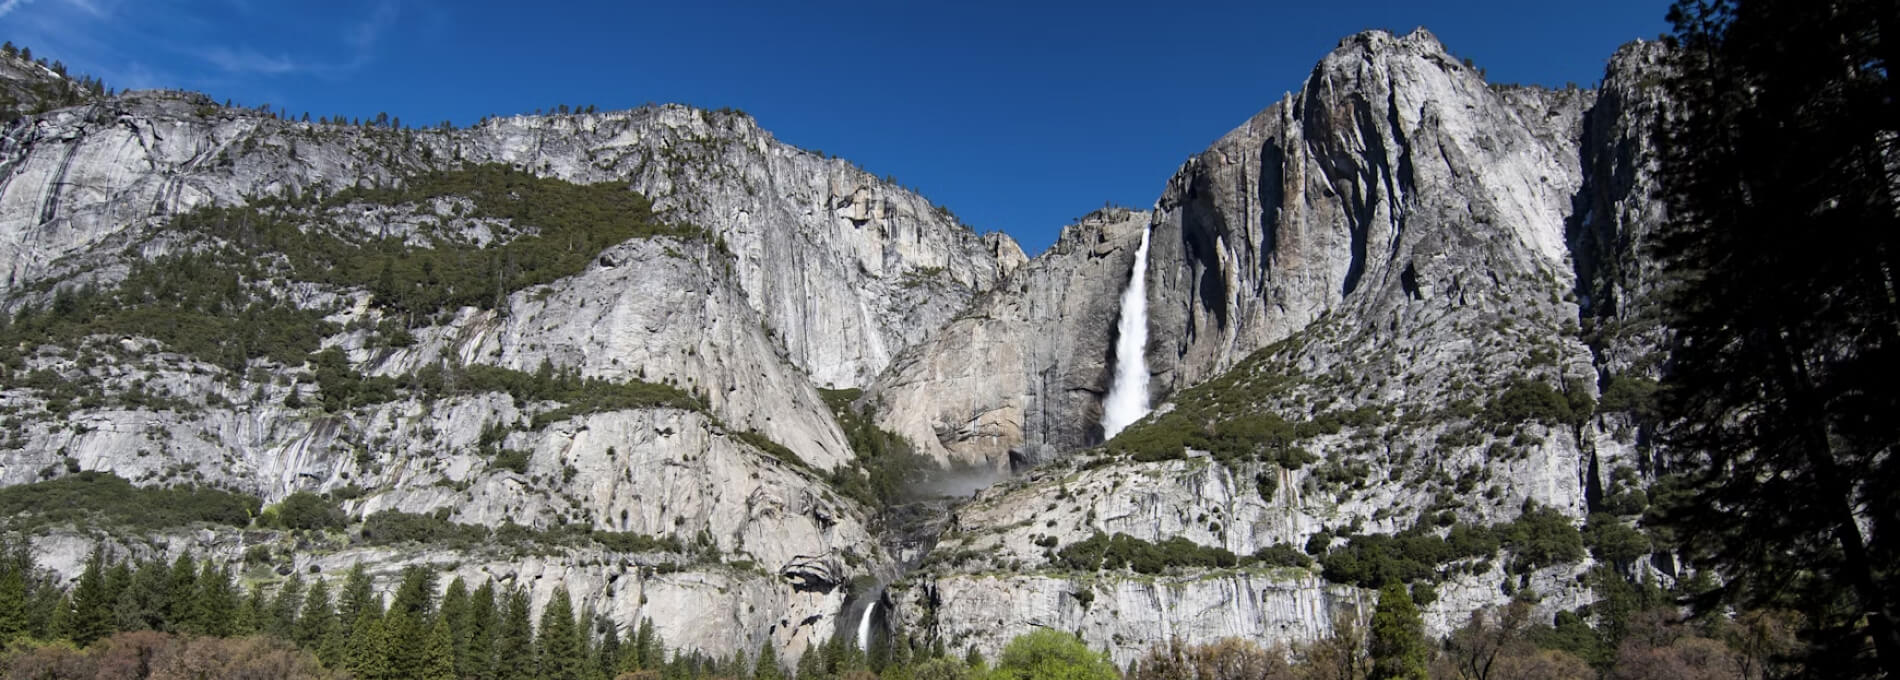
column 864, row 628
column 1127, row 398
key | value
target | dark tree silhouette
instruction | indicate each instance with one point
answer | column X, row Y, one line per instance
column 1781, row 409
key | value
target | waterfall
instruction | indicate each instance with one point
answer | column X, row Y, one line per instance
column 1127, row 398
column 864, row 627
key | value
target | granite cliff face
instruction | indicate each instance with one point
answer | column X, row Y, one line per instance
column 813, row 273
column 847, row 268
column 1387, row 259
column 1019, row 377
column 1390, row 262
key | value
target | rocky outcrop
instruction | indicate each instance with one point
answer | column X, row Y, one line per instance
column 1395, row 186
column 654, row 310
column 1019, row 376
column 845, row 268
column 30, row 87
column 1127, row 616
column 848, row 269
column 993, row 575
column 1616, row 214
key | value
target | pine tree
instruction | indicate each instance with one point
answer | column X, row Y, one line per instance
column 416, row 593
column 901, row 656
column 13, row 602
column 647, row 647
column 334, row 649
column 181, row 592
column 282, row 621
column 1782, row 253
column 408, row 632
column 356, row 598
column 252, row 611
column 455, row 613
column 1399, row 650
column 404, row 640
column 559, row 641
column 153, row 592
column 118, row 580
column 316, row 619
column 482, row 626
column 589, row 646
column 607, row 655
column 438, row 653
column 766, row 667
column 138, row 605
column 514, row 641
column 215, row 606
column 59, row 622
column 92, row 611
column 45, row 603
column 809, row 666
column 367, row 655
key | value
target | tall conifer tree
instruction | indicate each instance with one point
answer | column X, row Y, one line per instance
column 181, row 593
column 1781, row 167
column 1399, row 650
column 92, row 608
column 367, row 654
column 559, row 642
column 514, row 640
column 483, row 623
column 438, row 654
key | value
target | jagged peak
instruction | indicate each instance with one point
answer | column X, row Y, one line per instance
column 1638, row 54
column 1376, row 39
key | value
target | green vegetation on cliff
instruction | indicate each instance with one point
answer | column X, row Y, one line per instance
column 103, row 499
column 231, row 296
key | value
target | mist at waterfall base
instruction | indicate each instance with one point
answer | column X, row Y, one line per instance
column 1127, row 398
column 952, row 482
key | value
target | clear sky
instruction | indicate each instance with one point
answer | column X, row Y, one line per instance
column 1019, row 116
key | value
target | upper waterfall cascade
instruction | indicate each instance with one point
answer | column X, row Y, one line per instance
column 1127, row 398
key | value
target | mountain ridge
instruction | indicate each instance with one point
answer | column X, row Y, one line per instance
column 1368, row 288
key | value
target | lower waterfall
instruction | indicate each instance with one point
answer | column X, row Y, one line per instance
column 864, row 627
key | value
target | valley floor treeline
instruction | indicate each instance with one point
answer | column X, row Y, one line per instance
column 191, row 618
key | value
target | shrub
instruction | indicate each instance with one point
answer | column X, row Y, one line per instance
column 305, row 510
column 1527, row 401
column 1282, row 555
column 1629, row 395
column 1104, row 552
column 1542, row 536
column 1048, row 654
column 105, row 499
column 885, row 461
column 1610, row 540
column 512, row 460
column 392, row 526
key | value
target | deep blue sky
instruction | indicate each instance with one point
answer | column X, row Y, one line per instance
column 1018, row 118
